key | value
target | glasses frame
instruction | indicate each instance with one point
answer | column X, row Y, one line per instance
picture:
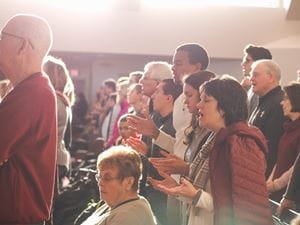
column 17, row 36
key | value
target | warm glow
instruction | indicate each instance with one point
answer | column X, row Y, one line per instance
column 80, row 5
column 203, row 3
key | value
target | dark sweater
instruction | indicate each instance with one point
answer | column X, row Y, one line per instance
column 268, row 117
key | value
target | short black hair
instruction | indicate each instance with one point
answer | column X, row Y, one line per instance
column 196, row 54
column 111, row 83
column 231, row 98
column 171, row 88
column 257, row 52
column 197, row 79
column 293, row 92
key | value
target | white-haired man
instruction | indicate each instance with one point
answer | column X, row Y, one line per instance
column 28, row 123
column 268, row 115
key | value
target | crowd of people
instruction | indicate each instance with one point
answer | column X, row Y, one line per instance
column 180, row 144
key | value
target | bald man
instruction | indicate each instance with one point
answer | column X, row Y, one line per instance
column 28, row 123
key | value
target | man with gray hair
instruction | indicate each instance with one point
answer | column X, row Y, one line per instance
column 28, row 123
column 268, row 115
column 188, row 58
column 154, row 72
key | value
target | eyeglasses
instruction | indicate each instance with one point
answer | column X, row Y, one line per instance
column 16, row 36
column 98, row 177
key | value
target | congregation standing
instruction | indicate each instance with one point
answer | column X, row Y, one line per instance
column 180, row 144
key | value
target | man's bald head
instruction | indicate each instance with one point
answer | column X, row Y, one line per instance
column 34, row 29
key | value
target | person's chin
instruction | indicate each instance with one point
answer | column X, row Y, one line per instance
column 254, row 89
column 102, row 196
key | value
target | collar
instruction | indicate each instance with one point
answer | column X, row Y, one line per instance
column 273, row 92
column 165, row 118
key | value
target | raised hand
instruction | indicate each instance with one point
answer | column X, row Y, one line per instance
column 270, row 186
column 145, row 126
column 285, row 204
column 137, row 145
column 185, row 189
column 167, row 182
column 171, row 164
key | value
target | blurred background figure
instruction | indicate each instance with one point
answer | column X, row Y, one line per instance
column 80, row 109
column 125, row 131
column 136, row 99
column 121, row 101
column 134, row 77
column 64, row 88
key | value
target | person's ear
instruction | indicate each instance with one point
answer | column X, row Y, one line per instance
column 198, row 66
column 222, row 113
column 23, row 46
column 170, row 98
column 272, row 78
column 128, row 183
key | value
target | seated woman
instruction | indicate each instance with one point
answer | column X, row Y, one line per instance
column 119, row 171
column 289, row 144
column 236, row 164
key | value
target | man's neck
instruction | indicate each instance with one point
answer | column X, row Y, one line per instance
column 166, row 111
column 269, row 89
column 15, row 80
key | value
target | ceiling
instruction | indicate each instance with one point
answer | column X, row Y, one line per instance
column 224, row 31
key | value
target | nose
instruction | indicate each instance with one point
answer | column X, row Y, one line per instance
column 142, row 80
column 173, row 68
column 199, row 105
column 153, row 95
column 185, row 101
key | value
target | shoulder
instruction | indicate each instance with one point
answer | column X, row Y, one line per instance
column 137, row 212
column 241, row 137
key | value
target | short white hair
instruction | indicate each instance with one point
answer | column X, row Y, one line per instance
column 159, row 70
column 270, row 67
